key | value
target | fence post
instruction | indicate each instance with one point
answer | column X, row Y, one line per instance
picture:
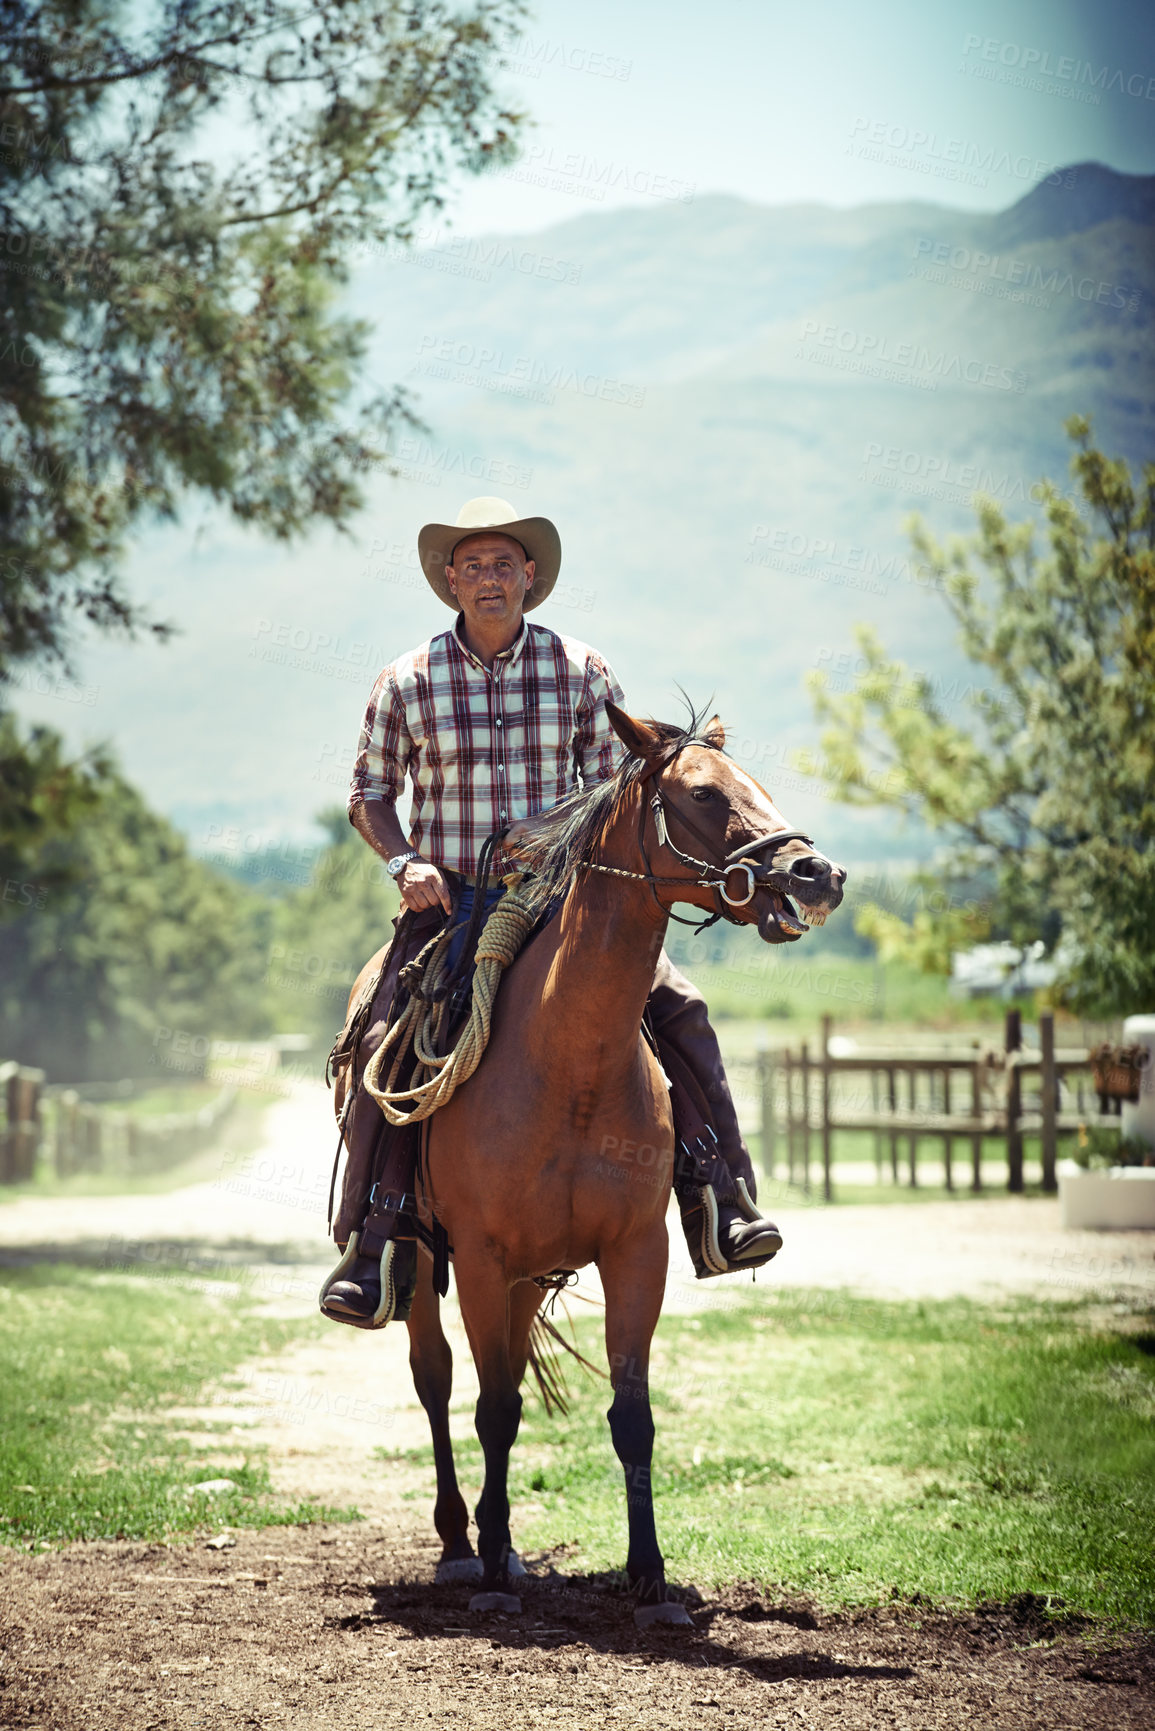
column 804, row 1066
column 912, row 1151
column 788, row 1090
column 8, row 1078
column 1050, row 1097
column 892, row 1099
column 1013, row 1043
column 977, row 1135
column 827, row 1188
column 948, row 1139
column 768, row 1075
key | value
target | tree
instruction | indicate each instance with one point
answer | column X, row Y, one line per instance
column 1046, row 794
column 181, row 190
column 118, row 934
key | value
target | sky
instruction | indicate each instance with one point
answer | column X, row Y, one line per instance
column 838, row 102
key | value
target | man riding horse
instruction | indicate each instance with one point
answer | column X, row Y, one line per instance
column 494, row 721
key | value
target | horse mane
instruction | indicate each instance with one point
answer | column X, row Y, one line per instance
column 555, row 842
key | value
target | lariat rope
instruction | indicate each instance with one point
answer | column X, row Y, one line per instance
column 439, row 1077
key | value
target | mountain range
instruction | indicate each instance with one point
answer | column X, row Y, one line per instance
column 729, row 409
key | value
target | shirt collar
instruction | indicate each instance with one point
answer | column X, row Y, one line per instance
column 512, row 655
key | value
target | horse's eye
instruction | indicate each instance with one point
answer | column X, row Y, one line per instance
column 702, row 794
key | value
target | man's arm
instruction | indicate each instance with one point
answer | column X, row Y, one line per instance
column 378, row 778
column 597, row 748
column 420, row 883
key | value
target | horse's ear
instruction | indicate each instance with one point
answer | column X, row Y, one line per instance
column 715, row 733
column 639, row 737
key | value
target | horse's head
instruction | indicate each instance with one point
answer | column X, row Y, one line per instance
column 700, row 809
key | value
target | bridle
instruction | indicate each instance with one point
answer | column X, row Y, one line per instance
column 757, row 876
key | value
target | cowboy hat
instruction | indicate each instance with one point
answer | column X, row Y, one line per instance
column 542, row 543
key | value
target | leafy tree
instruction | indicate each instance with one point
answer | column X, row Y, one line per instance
column 182, row 187
column 119, row 933
column 1046, row 795
column 324, row 933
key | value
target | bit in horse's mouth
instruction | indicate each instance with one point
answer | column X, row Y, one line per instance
column 781, row 920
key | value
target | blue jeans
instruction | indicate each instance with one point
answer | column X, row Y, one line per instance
column 464, row 909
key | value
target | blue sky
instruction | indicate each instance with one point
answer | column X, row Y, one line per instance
column 781, row 102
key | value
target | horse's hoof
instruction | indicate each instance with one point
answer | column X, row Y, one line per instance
column 455, row 1569
column 668, row 1612
column 514, row 1567
column 507, row 1602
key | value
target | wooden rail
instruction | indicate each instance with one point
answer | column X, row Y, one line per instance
column 82, row 1136
column 967, row 1094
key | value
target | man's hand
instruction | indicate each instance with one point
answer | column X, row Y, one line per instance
column 423, row 886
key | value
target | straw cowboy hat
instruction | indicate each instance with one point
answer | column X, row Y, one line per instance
column 537, row 535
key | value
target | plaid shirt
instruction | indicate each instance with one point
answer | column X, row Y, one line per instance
column 483, row 747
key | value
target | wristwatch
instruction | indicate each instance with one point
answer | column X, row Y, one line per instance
column 399, row 861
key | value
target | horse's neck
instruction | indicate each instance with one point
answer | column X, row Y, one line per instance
column 609, row 937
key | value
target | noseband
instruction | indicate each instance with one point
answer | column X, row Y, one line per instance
column 756, row 875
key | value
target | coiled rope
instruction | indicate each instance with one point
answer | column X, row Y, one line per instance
column 420, row 1023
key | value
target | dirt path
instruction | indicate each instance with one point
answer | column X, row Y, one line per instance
column 304, row 1627
column 315, row 1628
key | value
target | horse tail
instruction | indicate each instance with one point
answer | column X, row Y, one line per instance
column 546, row 1363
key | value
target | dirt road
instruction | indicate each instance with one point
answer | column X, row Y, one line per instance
column 312, row 1627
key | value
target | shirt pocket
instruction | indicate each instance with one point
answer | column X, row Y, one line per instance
column 541, row 734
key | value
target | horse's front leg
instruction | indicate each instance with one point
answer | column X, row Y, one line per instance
column 431, row 1361
column 634, row 1279
column 485, row 1309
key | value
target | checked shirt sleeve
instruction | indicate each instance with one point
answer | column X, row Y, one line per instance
column 597, row 748
column 384, row 749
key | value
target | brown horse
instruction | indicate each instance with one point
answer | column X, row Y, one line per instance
column 528, row 1166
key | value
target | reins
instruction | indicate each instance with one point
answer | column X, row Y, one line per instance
column 756, row 875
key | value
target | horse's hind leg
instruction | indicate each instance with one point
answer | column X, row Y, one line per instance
column 634, row 1283
column 431, row 1362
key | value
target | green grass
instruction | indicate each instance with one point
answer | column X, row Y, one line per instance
column 860, row 1451
column 91, row 1365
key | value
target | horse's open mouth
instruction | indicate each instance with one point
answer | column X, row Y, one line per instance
column 780, row 921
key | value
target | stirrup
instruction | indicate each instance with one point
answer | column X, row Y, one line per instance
column 398, row 1284
column 700, row 1220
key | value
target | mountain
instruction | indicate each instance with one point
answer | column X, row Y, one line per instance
column 729, row 409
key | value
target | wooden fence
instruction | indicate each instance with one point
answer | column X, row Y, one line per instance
column 21, row 1130
column 965, row 1094
column 85, row 1135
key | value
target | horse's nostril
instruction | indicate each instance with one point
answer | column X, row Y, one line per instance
column 811, row 867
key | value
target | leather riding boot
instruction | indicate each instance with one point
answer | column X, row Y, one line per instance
column 713, row 1175
column 374, row 1281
